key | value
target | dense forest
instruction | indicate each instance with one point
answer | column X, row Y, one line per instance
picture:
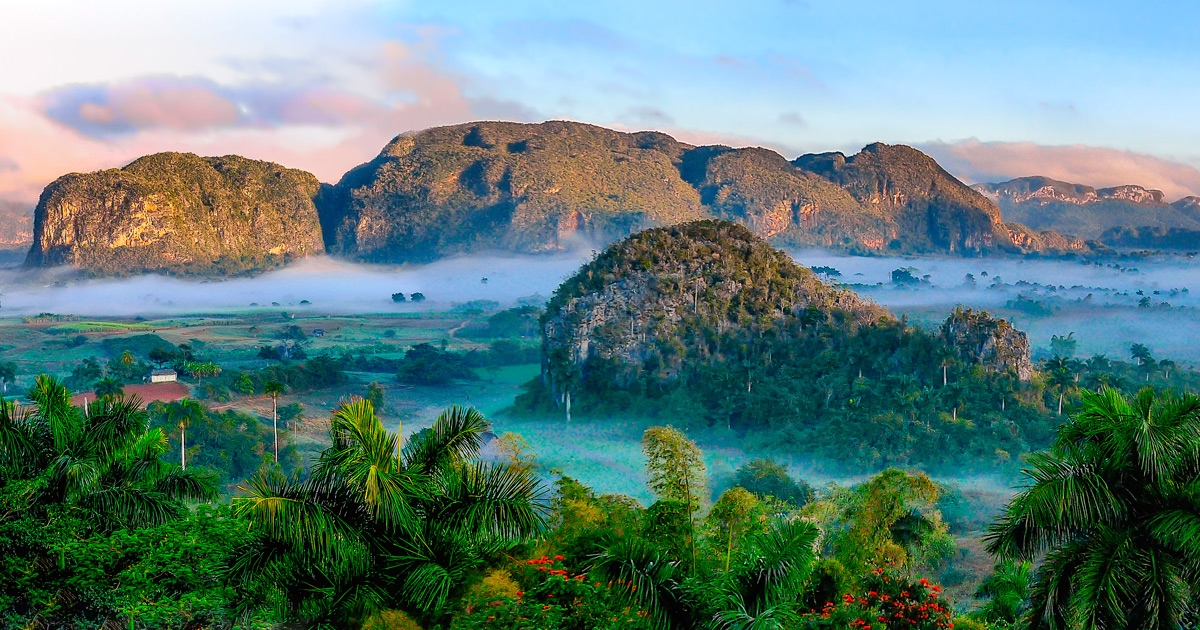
column 102, row 525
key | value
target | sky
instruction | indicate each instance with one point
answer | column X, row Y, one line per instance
column 1100, row 93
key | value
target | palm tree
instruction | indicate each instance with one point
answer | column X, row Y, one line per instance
column 1062, row 376
column 107, row 466
column 1114, row 506
column 182, row 412
column 1007, row 593
column 380, row 525
column 274, row 389
column 1144, row 358
column 109, row 387
column 8, row 374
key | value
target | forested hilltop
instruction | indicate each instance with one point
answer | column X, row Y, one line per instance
column 708, row 322
column 495, row 186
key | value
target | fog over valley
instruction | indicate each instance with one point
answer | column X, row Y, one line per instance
column 1043, row 297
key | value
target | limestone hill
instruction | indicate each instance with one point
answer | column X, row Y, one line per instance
column 177, row 213
column 707, row 322
column 542, row 187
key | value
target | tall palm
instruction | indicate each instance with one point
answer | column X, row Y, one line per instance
column 181, row 413
column 275, row 389
column 1144, row 358
column 107, row 465
column 378, row 525
column 1062, row 374
column 1115, row 507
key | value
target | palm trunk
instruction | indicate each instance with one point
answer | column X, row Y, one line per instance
column 568, row 407
column 275, row 423
column 1060, row 399
column 944, row 376
column 729, row 548
column 183, row 447
column 687, row 487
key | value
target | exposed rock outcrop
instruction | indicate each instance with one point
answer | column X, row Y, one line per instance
column 178, row 213
column 930, row 209
column 980, row 339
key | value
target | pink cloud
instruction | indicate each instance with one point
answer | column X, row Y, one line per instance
column 323, row 130
column 976, row 161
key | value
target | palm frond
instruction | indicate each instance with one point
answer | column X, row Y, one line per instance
column 456, row 436
column 495, row 499
column 316, row 518
column 643, row 578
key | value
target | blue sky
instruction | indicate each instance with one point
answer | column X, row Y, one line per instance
column 1101, row 93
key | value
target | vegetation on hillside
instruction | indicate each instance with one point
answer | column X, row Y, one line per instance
column 706, row 322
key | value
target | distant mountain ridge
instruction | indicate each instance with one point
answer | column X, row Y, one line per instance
column 16, row 224
column 510, row 187
column 1086, row 212
column 540, row 187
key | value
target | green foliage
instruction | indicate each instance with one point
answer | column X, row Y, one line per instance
column 425, row 364
column 716, row 326
column 765, row 478
column 109, row 388
column 318, row 372
column 1064, row 346
column 84, row 375
column 889, row 521
column 80, row 499
column 165, row 576
column 555, row 597
column 375, row 395
column 1113, row 506
column 885, row 600
column 142, row 346
column 520, row 322
column 1006, row 593
column 376, row 526
column 232, row 443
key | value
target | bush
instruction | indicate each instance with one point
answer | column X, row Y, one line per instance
column 424, row 364
column 766, row 478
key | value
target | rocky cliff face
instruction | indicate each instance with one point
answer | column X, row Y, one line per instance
column 930, row 209
column 980, row 339
column 178, row 213
column 545, row 187
column 763, row 191
column 1085, row 212
column 517, row 187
